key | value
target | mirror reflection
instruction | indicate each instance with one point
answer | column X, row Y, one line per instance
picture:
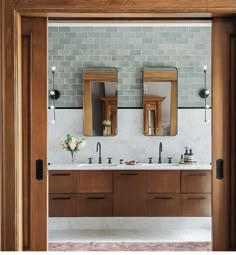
column 160, row 101
column 100, row 101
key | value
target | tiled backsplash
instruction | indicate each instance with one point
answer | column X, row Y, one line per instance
column 130, row 143
column 129, row 48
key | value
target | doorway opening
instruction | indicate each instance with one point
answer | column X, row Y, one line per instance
column 129, row 47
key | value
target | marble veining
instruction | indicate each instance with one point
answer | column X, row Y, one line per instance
column 138, row 166
column 130, row 143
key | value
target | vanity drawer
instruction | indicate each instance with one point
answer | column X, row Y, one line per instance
column 95, row 181
column 130, row 193
column 95, row 205
column 164, row 205
column 198, row 181
column 63, row 205
column 63, row 181
column 164, row 181
column 196, row 205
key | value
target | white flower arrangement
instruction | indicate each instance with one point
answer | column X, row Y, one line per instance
column 106, row 123
column 72, row 145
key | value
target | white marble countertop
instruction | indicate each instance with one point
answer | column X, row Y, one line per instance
column 139, row 166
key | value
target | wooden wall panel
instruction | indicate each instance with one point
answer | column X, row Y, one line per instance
column 10, row 117
column 34, row 59
column 124, row 6
column 223, row 130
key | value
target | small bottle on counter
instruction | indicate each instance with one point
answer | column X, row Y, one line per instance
column 121, row 161
column 182, row 159
column 190, row 156
column 186, row 154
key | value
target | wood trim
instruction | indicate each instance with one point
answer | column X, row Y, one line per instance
column 173, row 109
column 88, row 119
column 159, row 75
column 19, row 153
column 34, row 32
column 222, row 132
column 232, row 184
column 26, row 74
column 100, row 76
column 11, row 232
column 123, row 6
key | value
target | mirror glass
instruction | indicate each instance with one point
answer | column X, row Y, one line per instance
column 160, row 101
column 100, row 101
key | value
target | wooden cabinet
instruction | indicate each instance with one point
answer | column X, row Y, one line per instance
column 196, row 193
column 97, row 181
column 196, row 181
column 164, row 181
column 196, row 205
column 164, row 205
column 95, row 205
column 63, row 205
column 63, row 181
column 124, row 193
column 130, row 193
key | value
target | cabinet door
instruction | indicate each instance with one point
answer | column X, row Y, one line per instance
column 63, row 181
column 164, row 205
column 95, row 205
column 97, row 181
column 196, row 205
column 130, row 193
column 63, row 205
column 164, row 181
column 198, row 181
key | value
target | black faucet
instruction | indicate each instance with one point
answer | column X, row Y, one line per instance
column 99, row 147
column 160, row 151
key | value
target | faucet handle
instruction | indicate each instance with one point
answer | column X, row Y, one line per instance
column 90, row 160
column 109, row 160
column 150, row 160
column 169, row 160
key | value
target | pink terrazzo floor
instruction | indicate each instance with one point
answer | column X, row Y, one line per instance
column 130, row 246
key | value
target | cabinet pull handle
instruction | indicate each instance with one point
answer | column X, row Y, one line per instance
column 197, row 175
column 163, row 198
column 197, row 198
column 60, row 174
column 129, row 174
column 95, row 197
column 61, row 198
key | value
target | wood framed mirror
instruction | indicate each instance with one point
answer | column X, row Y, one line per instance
column 100, row 101
column 160, row 101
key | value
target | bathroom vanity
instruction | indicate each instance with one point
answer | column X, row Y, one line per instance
column 153, row 190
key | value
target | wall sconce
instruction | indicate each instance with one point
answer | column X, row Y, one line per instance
column 54, row 95
column 204, row 93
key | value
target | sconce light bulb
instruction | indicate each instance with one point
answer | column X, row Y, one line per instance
column 53, row 121
column 207, row 106
column 54, row 68
column 52, row 107
column 52, row 92
column 204, row 67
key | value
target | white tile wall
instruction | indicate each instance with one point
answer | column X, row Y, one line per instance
column 130, row 143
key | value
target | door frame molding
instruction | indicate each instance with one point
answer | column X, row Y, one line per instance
column 10, row 78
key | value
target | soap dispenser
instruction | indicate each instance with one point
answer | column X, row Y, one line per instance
column 190, row 156
column 186, row 154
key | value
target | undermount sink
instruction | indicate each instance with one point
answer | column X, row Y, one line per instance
column 95, row 165
column 159, row 164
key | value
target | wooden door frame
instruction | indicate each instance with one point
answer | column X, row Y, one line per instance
column 10, row 79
